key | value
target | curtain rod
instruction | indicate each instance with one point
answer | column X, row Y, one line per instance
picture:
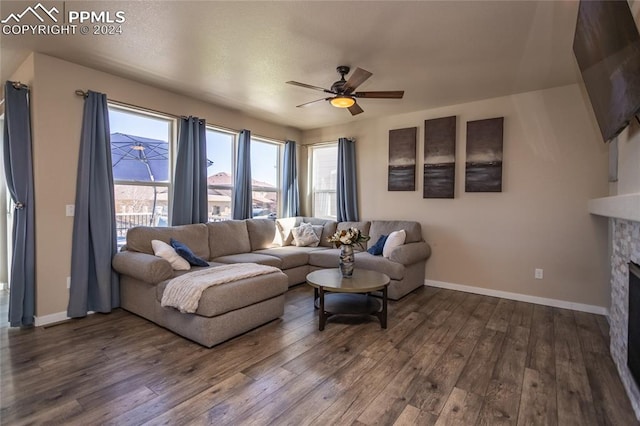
column 18, row 85
column 84, row 94
column 335, row 142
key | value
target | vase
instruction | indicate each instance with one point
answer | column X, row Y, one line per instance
column 347, row 260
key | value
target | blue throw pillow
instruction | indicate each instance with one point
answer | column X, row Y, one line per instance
column 186, row 253
column 376, row 249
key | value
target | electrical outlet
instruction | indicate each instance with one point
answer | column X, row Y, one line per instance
column 70, row 210
column 68, row 282
column 538, row 274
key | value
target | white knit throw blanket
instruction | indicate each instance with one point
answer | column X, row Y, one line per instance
column 184, row 292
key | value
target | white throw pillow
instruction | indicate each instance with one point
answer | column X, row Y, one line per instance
column 395, row 239
column 168, row 253
column 304, row 235
column 284, row 226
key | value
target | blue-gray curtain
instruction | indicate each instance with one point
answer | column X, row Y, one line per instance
column 290, row 191
column 190, row 181
column 94, row 285
column 347, row 193
column 242, row 195
column 18, row 168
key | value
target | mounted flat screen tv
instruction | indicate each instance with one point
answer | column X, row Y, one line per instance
column 607, row 48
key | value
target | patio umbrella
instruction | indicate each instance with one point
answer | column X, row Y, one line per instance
column 140, row 159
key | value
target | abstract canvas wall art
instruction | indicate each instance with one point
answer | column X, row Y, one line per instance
column 402, row 159
column 484, row 155
column 439, row 157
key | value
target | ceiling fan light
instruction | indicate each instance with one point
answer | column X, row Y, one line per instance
column 342, row 101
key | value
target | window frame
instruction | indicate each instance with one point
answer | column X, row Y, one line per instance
column 172, row 135
column 279, row 161
column 234, row 156
column 311, row 178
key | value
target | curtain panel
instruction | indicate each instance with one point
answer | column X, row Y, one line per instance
column 242, row 194
column 18, row 168
column 347, row 192
column 190, row 180
column 290, row 189
column 94, row 285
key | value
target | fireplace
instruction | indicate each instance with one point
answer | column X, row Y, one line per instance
column 624, row 314
column 633, row 354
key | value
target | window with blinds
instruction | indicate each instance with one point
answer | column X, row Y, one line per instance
column 324, row 164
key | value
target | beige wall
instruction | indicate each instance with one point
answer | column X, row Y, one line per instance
column 629, row 144
column 57, row 115
column 554, row 163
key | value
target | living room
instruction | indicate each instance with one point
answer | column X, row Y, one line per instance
column 486, row 243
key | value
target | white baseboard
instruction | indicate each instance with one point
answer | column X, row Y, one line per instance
column 53, row 318
column 592, row 309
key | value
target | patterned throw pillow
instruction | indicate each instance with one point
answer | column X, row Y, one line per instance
column 304, row 235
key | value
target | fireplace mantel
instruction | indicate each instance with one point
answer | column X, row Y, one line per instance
column 625, row 206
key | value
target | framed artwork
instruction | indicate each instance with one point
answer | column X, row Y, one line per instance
column 439, row 157
column 402, row 159
column 483, row 171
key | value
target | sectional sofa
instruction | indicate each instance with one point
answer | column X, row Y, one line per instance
column 230, row 309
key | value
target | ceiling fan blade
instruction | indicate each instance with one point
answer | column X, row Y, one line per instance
column 312, row 102
column 355, row 109
column 398, row 94
column 358, row 77
column 308, row 86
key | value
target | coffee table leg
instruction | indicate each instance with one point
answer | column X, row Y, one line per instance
column 383, row 318
column 315, row 297
column 322, row 316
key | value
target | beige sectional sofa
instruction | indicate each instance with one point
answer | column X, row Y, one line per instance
column 230, row 309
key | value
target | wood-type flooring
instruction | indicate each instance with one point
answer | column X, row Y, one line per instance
column 447, row 358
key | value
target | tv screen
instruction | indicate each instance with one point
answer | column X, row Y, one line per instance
column 607, row 47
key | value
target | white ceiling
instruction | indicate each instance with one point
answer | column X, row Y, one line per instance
column 239, row 54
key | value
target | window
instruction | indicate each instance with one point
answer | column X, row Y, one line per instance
column 220, row 149
column 141, row 157
column 265, row 176
column 324, row 178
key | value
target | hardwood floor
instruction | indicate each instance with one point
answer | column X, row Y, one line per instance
column 447, row 358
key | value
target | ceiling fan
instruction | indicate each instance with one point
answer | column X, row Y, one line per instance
column 343, row 90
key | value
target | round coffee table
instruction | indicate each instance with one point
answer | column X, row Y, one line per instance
column 349, row 295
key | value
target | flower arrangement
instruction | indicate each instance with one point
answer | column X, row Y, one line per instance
column 348, row 237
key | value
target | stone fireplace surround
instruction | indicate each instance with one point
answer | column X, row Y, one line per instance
column 624, row 214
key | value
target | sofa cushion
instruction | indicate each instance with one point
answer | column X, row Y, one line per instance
column 290, row 256
column 168, row 253
column 328, row 229
column 194, row 236
column 218, row 299
column 228, row 237
column 261, row 233
column 261, row 259
column 328, row 258
column 386, row 227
